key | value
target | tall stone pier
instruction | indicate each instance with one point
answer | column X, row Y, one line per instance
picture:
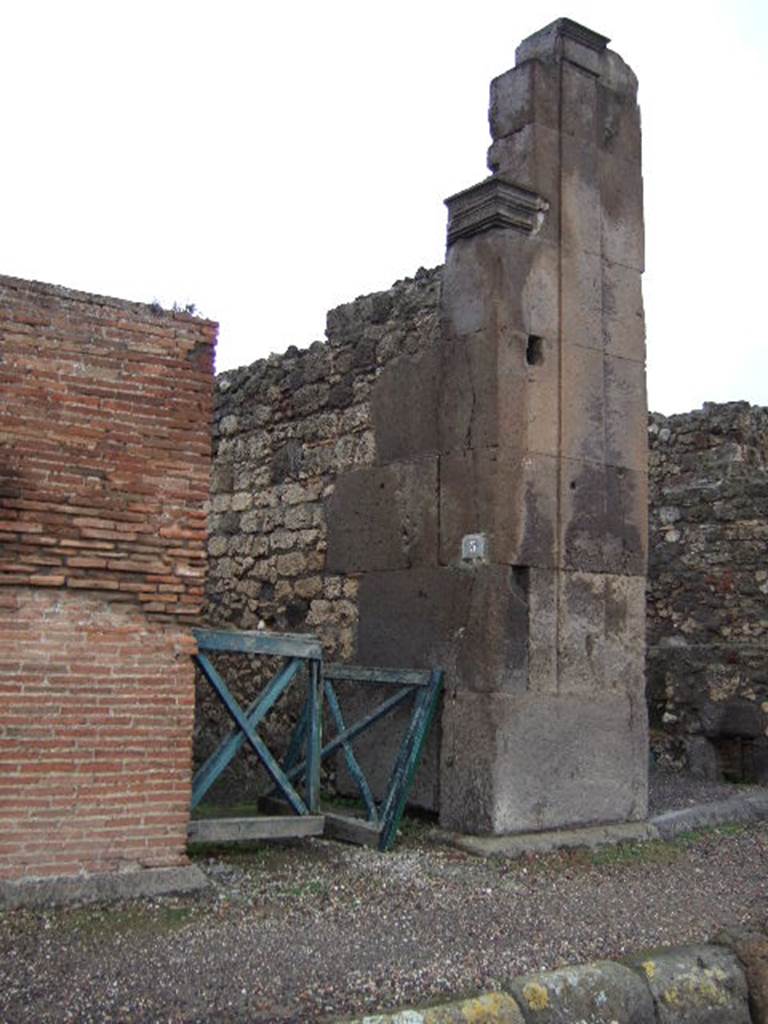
column 501, row 531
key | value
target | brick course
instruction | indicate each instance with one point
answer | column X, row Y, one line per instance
column 104, row 473
column 104, row 446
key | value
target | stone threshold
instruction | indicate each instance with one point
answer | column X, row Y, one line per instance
column 118, row 885
column 734, row 810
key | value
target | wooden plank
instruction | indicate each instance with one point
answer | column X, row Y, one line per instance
column 353, row 764
column 236, row 713
column 314, row 738
column 232, row 830
column 361, row 674
column 408, row 759
column 253, row 641
column 219, row 760
column 354, row 730
column 352, row 830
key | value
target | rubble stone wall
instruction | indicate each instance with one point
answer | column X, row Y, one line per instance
column 707, row 662
column 284, row 428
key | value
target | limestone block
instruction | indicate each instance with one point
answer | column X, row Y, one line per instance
column 626, row 414
column 603, row 518
column 600, row 993
column 523, row 95
column 695, row 985
column 506, row 493
column 405, row 400
column 516, row 763
column 621, row 207
column 622, row 307
column 383, row 517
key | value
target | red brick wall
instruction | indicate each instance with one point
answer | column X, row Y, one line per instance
column 96, row 716
column 104, row 446
column 104, row 466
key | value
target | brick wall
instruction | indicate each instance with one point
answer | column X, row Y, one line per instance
column 104, row 472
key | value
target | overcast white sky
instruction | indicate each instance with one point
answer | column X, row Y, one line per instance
column 268, row 161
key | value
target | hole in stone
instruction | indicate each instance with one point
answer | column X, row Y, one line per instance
column 534, row 352
column 572, row 485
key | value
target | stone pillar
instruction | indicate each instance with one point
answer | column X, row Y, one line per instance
column 501, row 530
column 543, row 471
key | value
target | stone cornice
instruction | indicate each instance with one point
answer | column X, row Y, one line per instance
column 494, row 203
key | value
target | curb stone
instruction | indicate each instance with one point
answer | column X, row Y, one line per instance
column 695, row 985
column 598, row 993
column 752, row 950
column 490, row 1008
column 52, row 892
column 752, row 807
column 702, row 984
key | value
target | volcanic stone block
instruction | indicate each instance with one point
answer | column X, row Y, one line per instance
column 625, row 411
column 499, row 388
column 583, row 407
column 564, row 38
column 600, row 634
column 618, row 112
column 543, row 595
column 407, row 619
column 580, row 195
column 530, row 158
column 491, row 651
column 506, row 493
column 474, row 298
column 383, row 517
column 522, row 763
column 603, row 518
column 579, row 104
column 623, row 317
column 523, row 95
column 404, row 406
column 621, row 194
column 582, row 299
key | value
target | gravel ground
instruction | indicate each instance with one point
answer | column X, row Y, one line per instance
column 306, row 931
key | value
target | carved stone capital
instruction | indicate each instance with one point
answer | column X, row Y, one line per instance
column 494, row 203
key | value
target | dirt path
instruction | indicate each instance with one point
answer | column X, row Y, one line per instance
column 306, row 931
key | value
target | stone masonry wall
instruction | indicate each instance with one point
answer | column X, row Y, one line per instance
column 708, row 587
column 284, row 428
column 104, row 474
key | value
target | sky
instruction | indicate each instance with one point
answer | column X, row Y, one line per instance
column 267, row 162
